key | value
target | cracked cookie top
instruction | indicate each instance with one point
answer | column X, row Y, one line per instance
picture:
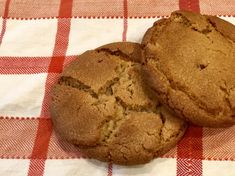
column 101, row 104
column 190, row 64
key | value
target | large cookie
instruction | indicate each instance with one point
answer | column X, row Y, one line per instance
column 190, row 64
column 101, row 104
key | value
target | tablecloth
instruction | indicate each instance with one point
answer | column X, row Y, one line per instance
column 39, row 38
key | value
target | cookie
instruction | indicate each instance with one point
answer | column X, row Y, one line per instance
column 190, row 65
column 101, row 105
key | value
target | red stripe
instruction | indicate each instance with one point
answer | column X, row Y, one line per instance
column 56, row 64
column 191, row 5
column 51, row 80
column 190, row 153
column 5, row 15
column 4, row 21
column 57, row 61
column 62, row 37
column 24, row 65
column 32, row 65
column 61, row 44
column 37, row 163
column 110, row 169
column 41, row 143
column 125, row 21
column 66, row 8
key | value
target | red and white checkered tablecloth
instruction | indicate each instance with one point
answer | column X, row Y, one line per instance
column 38, row 38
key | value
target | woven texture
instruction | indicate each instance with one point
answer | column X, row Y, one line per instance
column 38, row 38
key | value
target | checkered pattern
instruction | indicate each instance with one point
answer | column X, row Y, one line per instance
column 38, row 38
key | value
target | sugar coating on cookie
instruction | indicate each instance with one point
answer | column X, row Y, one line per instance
column 101, row 104
column 190, row 64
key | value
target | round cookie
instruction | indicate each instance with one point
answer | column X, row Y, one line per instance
column 101, row 105
column 190, row 64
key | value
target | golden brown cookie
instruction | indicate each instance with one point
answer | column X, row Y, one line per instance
column 101, row 104
column 190, row 64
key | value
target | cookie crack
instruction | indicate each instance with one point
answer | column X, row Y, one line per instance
column 174, row 135
column 175, row 87
column 181, row 88
column 163, row 127
column 110, row 127
column 77, row 84
column 135, row 108
column 121, row 55
column 209, row 28
column 163, row 119
column 226, row 95
column 147, row 150
column 216, row 50
column 164, row 141
column 179, row 18
column 107, row 87
column 216, row 29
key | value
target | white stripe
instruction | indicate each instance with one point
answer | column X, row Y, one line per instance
column 14, row 167
column 73, row 167
column 22, row 95
column 229, row 19
column 29, row 38
column 159, row 166
column 138, row 27
column 217, row 168
column 88, row 34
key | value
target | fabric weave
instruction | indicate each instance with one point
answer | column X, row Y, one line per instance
column 39, row 38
